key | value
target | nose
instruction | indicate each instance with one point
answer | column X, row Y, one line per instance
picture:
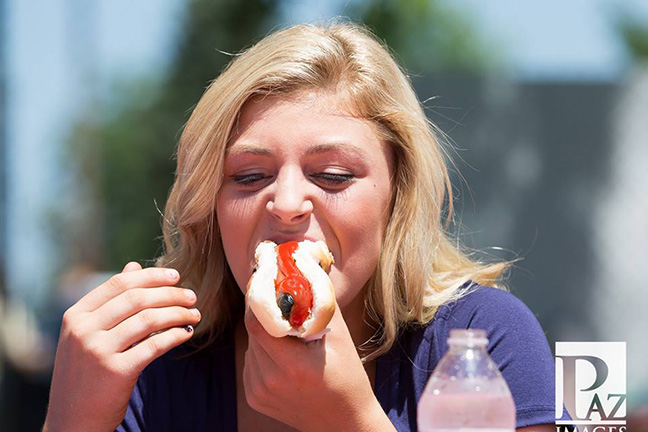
column 290, row 203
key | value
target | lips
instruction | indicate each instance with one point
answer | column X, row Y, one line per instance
column 286, row 237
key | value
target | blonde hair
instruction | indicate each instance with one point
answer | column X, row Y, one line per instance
column 420, row 267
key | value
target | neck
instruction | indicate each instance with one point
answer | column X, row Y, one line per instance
column 361, row 327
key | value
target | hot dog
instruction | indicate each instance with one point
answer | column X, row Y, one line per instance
column 290, row 292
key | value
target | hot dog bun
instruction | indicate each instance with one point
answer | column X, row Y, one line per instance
column 313, row 260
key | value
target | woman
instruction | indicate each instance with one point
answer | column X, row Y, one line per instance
column 313, row 133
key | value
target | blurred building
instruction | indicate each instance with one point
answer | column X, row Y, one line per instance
column 620, row 298
column 551, row 172
column 534, row 163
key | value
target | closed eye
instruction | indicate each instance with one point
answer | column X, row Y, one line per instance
column 333, row 179
column 249, row 179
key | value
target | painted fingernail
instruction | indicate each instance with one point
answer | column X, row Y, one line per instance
column 194, row 312
column 173, row 274
column 188, row 328
column 190, row 294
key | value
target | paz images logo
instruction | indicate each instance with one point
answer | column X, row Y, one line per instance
column 592, row 378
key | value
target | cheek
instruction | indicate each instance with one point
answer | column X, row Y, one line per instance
column 360, row 233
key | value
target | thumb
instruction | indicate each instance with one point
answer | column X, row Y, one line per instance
column 131, row 266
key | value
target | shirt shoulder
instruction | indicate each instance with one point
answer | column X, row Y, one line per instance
column 517, row 344
column 484, row 304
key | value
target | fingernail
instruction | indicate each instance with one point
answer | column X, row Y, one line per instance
column 194, row 312
column 173, row 274
column 188, row 328
column 190, row 294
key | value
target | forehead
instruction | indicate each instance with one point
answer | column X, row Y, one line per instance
column 306, row 103
column 307, row 117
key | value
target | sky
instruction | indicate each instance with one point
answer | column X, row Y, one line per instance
column 547, row 40
column 557, row 40
column 553, row 40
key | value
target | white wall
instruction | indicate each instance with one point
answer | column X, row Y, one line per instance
column 622, row 236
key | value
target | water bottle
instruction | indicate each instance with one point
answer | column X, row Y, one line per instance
column 466, row 392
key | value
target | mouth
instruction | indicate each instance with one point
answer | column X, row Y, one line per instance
column 280, row 238
column 283, row 238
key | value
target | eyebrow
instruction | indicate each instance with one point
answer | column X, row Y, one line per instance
column 315, row 149
column 335, row 147
column 250, row 149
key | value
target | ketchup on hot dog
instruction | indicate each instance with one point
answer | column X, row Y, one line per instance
column 294, row 296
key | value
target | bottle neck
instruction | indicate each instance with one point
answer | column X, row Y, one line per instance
column 473, row 360
column 472, row 348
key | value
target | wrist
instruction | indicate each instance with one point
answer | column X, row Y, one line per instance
column 52, row 425
column 375, row 419
column 370, row 418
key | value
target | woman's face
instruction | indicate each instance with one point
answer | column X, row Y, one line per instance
column 299, row 168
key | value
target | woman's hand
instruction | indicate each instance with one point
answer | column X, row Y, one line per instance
column 318, row 385
column 106, row 342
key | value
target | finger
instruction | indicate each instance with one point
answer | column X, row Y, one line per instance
column 143, row 324
column 131, row 266
column 252, row 324
column 135, row 300
column 256, row 350
column 253, row 380
column 251, row 373
column 139, row 356
column 276, row 348
column 338, row 324
column 117, row 284
column 339, row 334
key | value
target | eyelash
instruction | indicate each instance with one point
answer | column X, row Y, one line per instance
column 248, row 179
column 334, row 179
column 331, row 179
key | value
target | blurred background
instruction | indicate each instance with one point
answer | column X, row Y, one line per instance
column 545, row 105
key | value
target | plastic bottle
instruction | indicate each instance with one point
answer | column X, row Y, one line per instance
column 466, row 392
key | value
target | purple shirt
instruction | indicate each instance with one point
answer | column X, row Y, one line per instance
column 198, row 392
